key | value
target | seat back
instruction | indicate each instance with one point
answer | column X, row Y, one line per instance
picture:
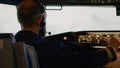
column 7, row 54
column 22, row 59
column 26, row 56
column 33, row 57
column 16, row 54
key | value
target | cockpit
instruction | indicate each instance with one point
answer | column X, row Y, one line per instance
column 93, row 24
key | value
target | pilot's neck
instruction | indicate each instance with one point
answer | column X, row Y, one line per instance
column 30, row 29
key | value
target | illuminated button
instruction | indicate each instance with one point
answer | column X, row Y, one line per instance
column 65, row 38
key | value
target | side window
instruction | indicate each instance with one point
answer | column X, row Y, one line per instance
column 8, row 19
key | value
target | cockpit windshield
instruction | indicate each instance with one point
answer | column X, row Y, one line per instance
column 70, row 18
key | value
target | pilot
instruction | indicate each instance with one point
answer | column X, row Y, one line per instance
column 51, row 54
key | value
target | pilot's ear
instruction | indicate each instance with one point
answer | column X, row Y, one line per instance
column 39, row 21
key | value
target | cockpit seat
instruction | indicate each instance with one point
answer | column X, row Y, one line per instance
column 16, row 54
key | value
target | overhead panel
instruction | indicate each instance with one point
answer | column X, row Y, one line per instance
column 67, row 2
column 80, row 2
column 10, row 2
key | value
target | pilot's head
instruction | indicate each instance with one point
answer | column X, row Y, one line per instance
column 31, row 15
